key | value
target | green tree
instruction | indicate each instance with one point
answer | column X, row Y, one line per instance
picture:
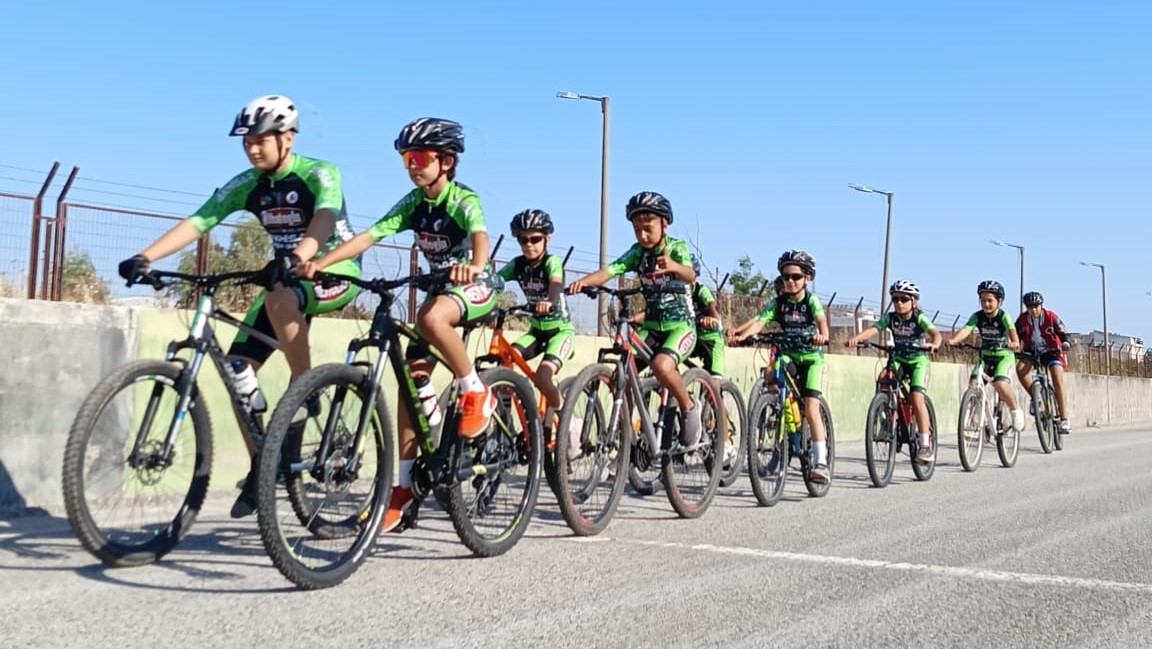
column 746, row 279
column 249, row 249
column 79, row 282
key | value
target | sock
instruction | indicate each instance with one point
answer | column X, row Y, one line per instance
column 406, row 473
column 470, row 383
column 820, row 452
column 926, row 440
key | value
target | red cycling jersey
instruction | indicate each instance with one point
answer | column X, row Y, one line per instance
column 1052, row 331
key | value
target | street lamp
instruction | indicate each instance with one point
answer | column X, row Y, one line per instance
column 1005, row 244
column 602, row 304
column 887, row 244
column 1104, row 302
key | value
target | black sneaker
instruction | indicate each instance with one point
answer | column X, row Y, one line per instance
column 246, row 503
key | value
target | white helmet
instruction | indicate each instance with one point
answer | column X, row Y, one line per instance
column 906, row 287
column 267, row 114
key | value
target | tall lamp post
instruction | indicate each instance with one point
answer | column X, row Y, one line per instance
column 602, row 303
column 887, row 244
column 1104, row 304
column 1020, row 248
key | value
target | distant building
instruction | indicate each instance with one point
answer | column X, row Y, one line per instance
column 1130, row 346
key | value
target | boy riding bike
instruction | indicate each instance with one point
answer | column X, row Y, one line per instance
column 709, row 329
column 300, row 203
column 998, row 340
column 450, row 230
column 1043, row 333
column 669, row 321
column 909, row 327
column 801, row 317
column 541, row 278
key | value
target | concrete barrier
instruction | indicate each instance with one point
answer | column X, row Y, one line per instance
column 55, row 353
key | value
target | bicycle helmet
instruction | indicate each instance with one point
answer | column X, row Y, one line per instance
column 991, row 286
column 268, row 114
column 1033, row 298
column 905, row 287
column 778, row 283
column 798, row 258
column 532, row 220
column 432, row 134
column 651, row 203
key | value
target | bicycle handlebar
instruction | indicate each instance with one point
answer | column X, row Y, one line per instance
column 380, row 286
column 594, row 291
column 160, row 279
column 892, row 348
column 777, row 338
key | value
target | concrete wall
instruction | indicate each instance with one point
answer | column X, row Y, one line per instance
column 55, row 353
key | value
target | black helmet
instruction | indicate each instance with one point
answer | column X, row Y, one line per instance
column 696, row 265
column 649, row 202
column 1033, row 298
column 799, row 258
column 433, row 134
column 778, row 283
column 991, row 286
column 532, row 220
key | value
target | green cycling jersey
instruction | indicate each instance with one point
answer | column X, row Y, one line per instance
column 667, row 309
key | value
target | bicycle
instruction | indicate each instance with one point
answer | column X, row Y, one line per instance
column 144, row 462
column 608, row 446
column 771, row 446
column 981, row 419
column 1043, row 397
column 468, row 477
column 891, row 424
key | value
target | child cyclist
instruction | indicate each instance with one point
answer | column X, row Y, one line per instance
column 669, row 322
column 998, row 340
column 1043, row 333
column 802, row 319
column 909, row 327
column 709, row 329
column 541, row 277
column 450, row 230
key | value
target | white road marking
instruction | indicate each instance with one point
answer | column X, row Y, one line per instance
column 948, row 571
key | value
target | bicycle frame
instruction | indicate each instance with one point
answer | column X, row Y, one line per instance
column 201, row 339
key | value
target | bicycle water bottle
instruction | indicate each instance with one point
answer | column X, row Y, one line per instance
column 429, row 404
column 244, row 379
column 791, row 415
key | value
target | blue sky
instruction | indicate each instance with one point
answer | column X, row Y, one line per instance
column 1027, row 122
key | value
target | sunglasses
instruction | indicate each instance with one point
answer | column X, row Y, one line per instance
column 418, row 159
column 901, row 299
column 534, row 239
column 795, row 277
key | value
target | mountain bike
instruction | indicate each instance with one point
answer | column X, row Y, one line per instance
column 473, row 479
column 891, row 424
column 597, row 403
column 1044, row 409
column 773, row 439
column 981, row 420
column 139, row 453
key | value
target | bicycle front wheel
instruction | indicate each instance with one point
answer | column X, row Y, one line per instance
column 1007, row 441
column 923, row 472
column 1050, row 399
column 818, row 489
column 969, row 432
column 734, row 448
column 880, row 440
column 323, row 491
column 1043, row 418
column 767, row 446
column 130, row 500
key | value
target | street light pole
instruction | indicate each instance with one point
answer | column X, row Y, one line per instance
column 602, row 301
column 887, row 244
column 1020, row 249
column 1104, row 305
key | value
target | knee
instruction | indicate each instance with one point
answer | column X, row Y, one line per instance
column 663, row 363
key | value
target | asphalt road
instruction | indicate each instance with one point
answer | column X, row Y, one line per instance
column 1051, row 553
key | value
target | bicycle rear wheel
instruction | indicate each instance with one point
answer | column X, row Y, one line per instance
column 591, row 480
column 319, row 515
column 924, row 472
column 1050, row 399
column 131, row 509
column 734, row 448
column 491, row 505
column 817, row 489
column 1043, row 419
column 692, row 473
column 767, row 446
column 550, row 463
column 880, row 440
column 644, row 468
column 1007, row 439
column 969, row 433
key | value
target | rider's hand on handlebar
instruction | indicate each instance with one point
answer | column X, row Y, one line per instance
column 464, row 273
column 307, row 269
column 932, row 348
column 819, row 339
column 134, row 267
column 543, row 307
column 1014, row 346
column 710, row 323
column 575, row 287
column 851, row 342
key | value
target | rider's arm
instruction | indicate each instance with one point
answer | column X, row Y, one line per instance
column 225, row 201
column 867, row 334
column 756, row 324
column 628, row 262
column 172, row 241
column 680, row 262
column 323, row 178
column 319, row 230
column 396, row 220
column 965, row 331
